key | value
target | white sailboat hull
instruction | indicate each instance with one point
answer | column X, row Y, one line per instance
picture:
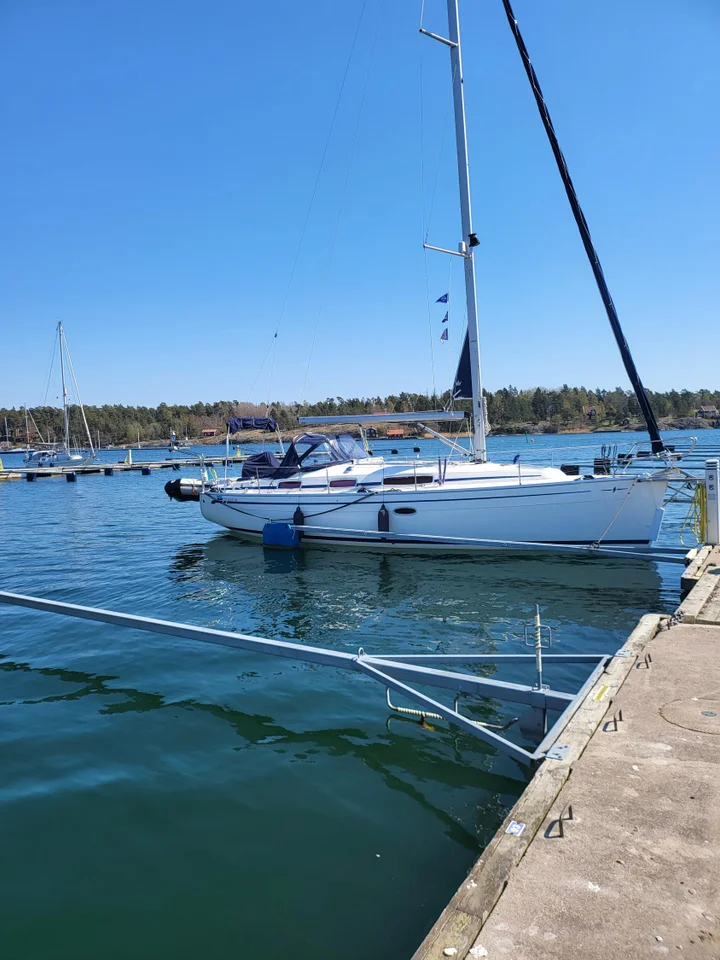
column 620, row 510
column 55, row 458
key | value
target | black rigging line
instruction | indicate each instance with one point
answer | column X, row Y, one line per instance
column 629, row 363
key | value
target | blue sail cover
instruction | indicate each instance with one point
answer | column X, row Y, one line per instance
column 260, row 465
column 236, row 424
column 462, row 387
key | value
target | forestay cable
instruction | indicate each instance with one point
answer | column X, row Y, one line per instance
column 422, row 200
column 313, row 194
column 50, row 370
column 338, row 219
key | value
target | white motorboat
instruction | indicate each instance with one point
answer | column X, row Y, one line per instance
column 330, row 490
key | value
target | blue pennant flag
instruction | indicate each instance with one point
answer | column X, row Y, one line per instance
column 517, row 459
column 444, row 335
column 445, row 318
column 443, row 298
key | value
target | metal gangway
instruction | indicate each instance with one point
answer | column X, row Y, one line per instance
column 403, row 674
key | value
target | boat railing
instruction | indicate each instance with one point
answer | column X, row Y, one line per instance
column 616, row 458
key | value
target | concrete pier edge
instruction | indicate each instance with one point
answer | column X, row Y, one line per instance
column 462, row 920
column 702, row 604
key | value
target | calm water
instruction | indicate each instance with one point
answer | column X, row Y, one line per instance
column 166, row 799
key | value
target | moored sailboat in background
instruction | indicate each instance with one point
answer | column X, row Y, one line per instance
column 61, row 455
column 6, row 446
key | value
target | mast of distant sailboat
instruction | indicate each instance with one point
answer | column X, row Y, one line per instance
column 66, row 417
column 65, row 354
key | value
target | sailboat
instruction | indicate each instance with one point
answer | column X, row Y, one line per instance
column 330, row 490
column 6, row 446
column 60, row 455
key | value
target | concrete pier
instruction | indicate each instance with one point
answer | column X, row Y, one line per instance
column 619, row 856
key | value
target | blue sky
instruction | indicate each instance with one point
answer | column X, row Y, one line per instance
column 158, row 161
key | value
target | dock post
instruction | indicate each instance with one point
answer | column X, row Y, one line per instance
column 145, row 471
column 712, row 485
column 71, row 477
column 108, row 471
column 30, row 477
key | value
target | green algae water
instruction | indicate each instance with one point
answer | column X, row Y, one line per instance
column 160, row 798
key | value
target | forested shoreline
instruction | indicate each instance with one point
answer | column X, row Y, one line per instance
column 509, row 410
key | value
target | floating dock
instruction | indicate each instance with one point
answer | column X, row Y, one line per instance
column 107, row 468
column 613, row 851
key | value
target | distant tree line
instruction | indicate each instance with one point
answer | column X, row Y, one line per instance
column 120, row 424
column 508, row 409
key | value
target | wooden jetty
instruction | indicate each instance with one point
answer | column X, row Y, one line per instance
column 108, row 469
column 621, row 859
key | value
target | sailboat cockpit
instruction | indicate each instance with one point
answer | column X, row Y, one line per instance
column 307, row 452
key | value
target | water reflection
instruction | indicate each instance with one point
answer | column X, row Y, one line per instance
column 323, row 589
column 403, row 762
column 399, row 603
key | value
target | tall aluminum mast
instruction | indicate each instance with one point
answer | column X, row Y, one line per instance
column 469, row 242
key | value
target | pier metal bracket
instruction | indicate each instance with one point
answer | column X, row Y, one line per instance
column 559, row 824
column 612, row 725
column 402, row 673
column 645, row 663
column 558, row 752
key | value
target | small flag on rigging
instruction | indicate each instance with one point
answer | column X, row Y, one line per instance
column 445, row 318
column 444, row 335
column 443, row 298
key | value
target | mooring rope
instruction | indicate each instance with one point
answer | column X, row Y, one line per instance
column 617, row 514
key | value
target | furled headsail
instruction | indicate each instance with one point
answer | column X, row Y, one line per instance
column 462, row 386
